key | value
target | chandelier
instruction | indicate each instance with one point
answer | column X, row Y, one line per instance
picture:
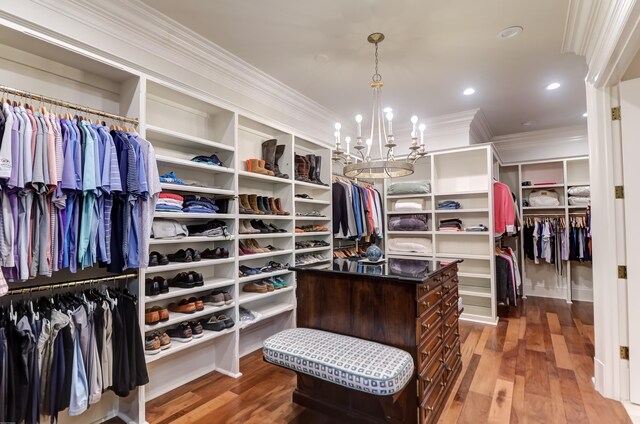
column 364, row 163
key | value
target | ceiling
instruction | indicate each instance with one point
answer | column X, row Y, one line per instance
column 433, row 50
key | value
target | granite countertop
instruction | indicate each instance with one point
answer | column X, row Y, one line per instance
column 408, row 270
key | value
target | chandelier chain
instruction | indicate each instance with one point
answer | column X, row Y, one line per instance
column 376, row 77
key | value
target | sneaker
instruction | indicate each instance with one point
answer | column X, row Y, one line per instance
column 196, row 329
column 181, row 333
column 151, row 345
column 212, row 324
column 165, row 340
column 228, row 297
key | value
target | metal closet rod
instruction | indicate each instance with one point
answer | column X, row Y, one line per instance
column 70, row 284
column 68, row 105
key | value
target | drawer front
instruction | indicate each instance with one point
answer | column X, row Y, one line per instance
column 429, row 300
column 428, row 378
column 450, row 301
column 450, row 323
column 451, row 351
column 453, row 364
column 450, row 272
column 428, row 350
column 432, row 404
column 429, row 325
column 450, row 284
column 429, row 285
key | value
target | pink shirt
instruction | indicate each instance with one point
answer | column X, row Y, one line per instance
column 503, row 210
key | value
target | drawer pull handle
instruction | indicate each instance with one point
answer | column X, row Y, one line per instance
column 449, row 325
column 429, row 408
column 439, row 293
column 459, row 354
column 449, row 304
column 426, row 326
column 425, row 304
column 425, row 287
column 426, row 354
column 428, row 380
column 448, row 369
column 457, row 334
column 446, row 287
column 437, row 279
column 443, row 384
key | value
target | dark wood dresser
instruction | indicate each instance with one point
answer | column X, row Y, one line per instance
column 416, row 312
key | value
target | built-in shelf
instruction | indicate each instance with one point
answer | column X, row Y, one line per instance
column 246, row 297
column 189, row 239
column 264, row 275
column 462, row 210
column 179, row 347
column 311, row 201
column 190, row 215
column 463, row 233
column 408, row 196
column 578, row 184
column 184, row 163
column 312, row 218
column 184, row 188
column 246, row 175
column 412, row 255
column 264, row 255
column 391, row 255
column 265, row 217
column 263, row 236
column 312, row 185
column 177, row 317
column 473, row 275
column 461, row 193
column 474, row 291
column 320, row 261
column 538, row 187
column 177, row 266
column 409, row 233
column 577, row 206
column 542, row 208
column 267, row 311
column 452, row 256
column 420, row 212
column 312, row 249
column 209, row 284
column 312, row 233
column 169, row 136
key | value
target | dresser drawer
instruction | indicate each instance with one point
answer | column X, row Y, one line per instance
column 429, row 300
column 450, row 345
column 450, row 284
column 450, row 301
column 428, row 350
column 452, row 363
column 428, row 377
column 450, row 323
column 432, row 404
column 429, row 285
column 429, row 325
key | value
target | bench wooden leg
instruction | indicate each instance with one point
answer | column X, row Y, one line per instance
column 353, row 406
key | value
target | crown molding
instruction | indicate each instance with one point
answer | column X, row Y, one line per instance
column 452, row 123
column 162, row 48
column 480, row 130
column 554, row 136
column 600, row 31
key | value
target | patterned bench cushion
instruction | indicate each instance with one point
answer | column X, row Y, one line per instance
column 350, row 362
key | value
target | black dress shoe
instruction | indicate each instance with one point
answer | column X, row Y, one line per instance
column 262, row 228
column 151, row 287
column 163, row 283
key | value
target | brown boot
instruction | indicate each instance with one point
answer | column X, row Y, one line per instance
column 276, row 168
column 253, row 202
column 245, row 207
column 300, row 166
column 276, row 201
column 262, row 164
column 269, row 154
column 272, row 206
column 253, row 165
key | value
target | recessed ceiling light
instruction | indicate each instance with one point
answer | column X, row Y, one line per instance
column 584, row 115
column 528, row 123
column 469, row 91
column 510, row 32
column 553, row 86
column 387, row 110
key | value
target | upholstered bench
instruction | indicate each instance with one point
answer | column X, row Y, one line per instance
column 348, row 364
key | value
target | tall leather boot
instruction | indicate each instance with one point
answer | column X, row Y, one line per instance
column 299, row 167
column 265, row 205
column 279, row 152
column 317, row 170
column 306, row 169
column 245, row 207
column 272, row 206
column 253, row 202
column 269, row 154
column 278, row 204
column 312, row 168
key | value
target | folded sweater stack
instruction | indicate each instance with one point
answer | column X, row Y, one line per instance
column 453, row 224
column 197, row 204
column 448, row 204
column 169, row 202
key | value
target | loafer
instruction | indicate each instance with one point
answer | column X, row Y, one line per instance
column 197, row 330
column 227, row 321
column 197, row 279
column 195, row 254
column 181, row 333
column 180, row 256
column 212, row 253
column 182, row 280
column 164, row 284
column 212, row 299
column 151, row 287
column 255, row 288
column 212, row 324
column 184, row 307
column 157, row 258
column 199, row 303
column 270, row 286
column 163, row 313
column 227, row 297
column 151, row 317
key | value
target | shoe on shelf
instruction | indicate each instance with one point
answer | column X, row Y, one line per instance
column 151, row 317
column 184, row 307
column 227, row 321
column 164, row 284
column 163, row 313
column 180, row 256
column 182, row 280
column 228, row 297
column 270, row 287
column 272, row 206
column 245, row 270
column 255, row 287
column 279, row 152
column 181, row 333
column 196, row 329
column 213, row 299
column 258, row 166
column 195, row 254
column 303, row 196
column 245, row 207
column 253, row 202
column 212, row 324
column 263, row 205
column 163, row 337
column 156, row 258
column 196, row 277
column 199, row 303
column 215, row 253
column 151, row 287
column 276, row 229
column 151, row 345
column 279, row 206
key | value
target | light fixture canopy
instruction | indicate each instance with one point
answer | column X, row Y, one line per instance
column 510, row 32
column 375, row 158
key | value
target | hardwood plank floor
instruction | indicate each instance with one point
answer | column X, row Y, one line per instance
column 534, row 367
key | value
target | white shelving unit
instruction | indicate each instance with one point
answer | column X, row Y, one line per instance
column 576, row 283
column 464, row 175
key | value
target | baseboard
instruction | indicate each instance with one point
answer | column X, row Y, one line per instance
column 536, row 291
column 633, row 410
column 582, row 295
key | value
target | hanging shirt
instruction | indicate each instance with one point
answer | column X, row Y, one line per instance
column 148, row 207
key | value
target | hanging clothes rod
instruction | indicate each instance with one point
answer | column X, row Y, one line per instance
column 533, row 215
column 23, row 290
column 74, row 106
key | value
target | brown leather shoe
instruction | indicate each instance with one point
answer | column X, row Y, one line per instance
column 184, row 307
column 151, row 317
column 255, row 288
column 199, row 303
column 163, row 313
column 278, row 204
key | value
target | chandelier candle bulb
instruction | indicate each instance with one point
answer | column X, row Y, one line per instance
column 422, row 127
column 389, row 118
column 348, row 141
column 359, row 126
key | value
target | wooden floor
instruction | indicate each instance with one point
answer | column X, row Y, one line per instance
column 534, row 367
